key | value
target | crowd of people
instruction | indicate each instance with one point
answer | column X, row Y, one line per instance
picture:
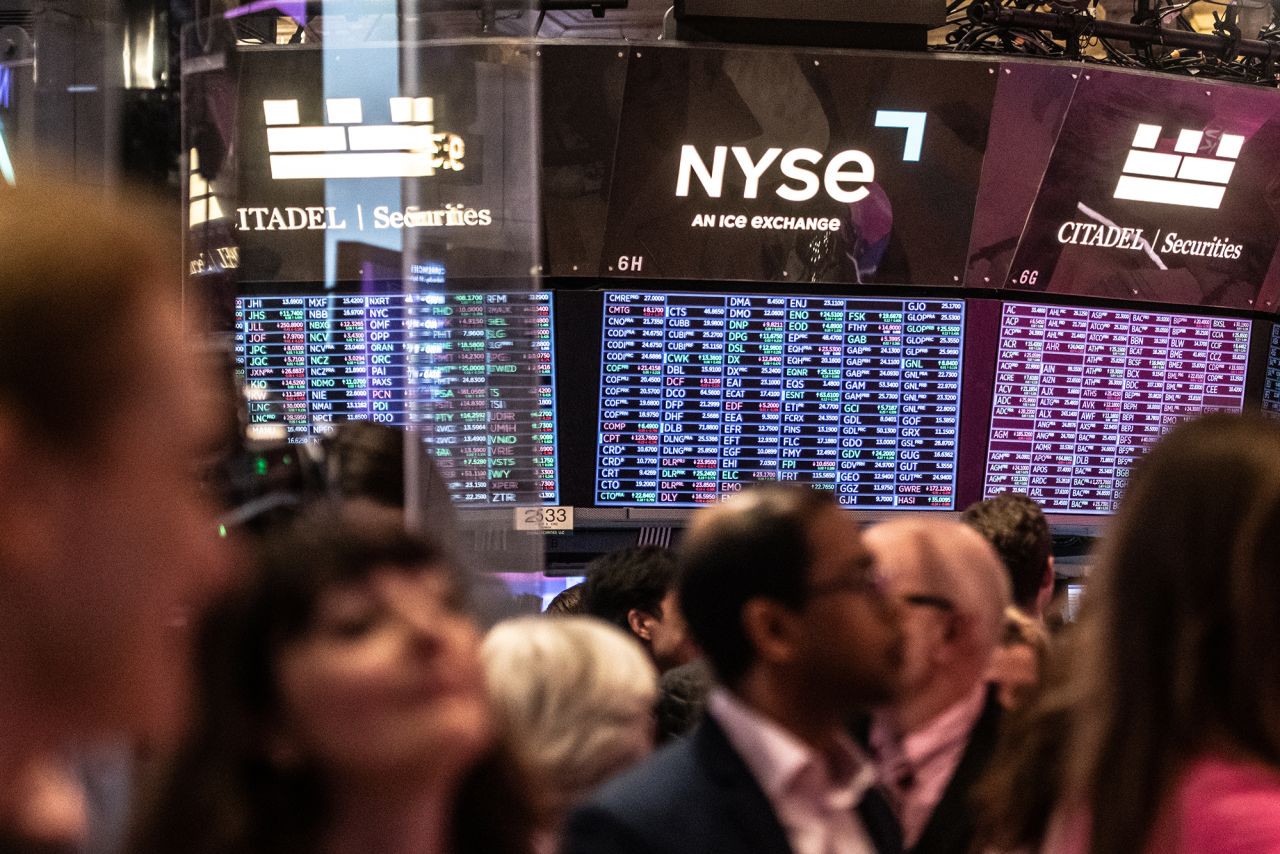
column 787, row 680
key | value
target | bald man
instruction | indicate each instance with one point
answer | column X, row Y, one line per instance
column 936, row 738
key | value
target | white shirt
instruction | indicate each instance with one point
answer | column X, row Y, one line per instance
column 814, row 796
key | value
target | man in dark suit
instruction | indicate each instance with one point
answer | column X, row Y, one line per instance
column 782, row 596
column 935, row 740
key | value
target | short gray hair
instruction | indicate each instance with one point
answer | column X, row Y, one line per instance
column 575, row 695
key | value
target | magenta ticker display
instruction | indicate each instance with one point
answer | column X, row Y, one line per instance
column 1081, row 393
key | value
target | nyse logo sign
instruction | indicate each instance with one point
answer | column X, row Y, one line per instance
column 1188, row 178
column 844, row 177
column 346, row 147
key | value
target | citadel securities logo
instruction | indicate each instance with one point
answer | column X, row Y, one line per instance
column 409, row 147
column 1195, row 175
column 844, row 177
column 1184, row 178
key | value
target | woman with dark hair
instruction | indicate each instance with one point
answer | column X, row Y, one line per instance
column 1175, row 718
column 343, row 708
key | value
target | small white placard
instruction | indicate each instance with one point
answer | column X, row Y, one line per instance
column 544, row 518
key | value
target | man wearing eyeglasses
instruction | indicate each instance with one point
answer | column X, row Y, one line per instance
column 783, row 597
column 933, row 742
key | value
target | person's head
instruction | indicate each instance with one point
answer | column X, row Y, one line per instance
column 1017, row 664
column 682, row 699
column 371, row 461
column 778, row 588
column 569, row 601
column 1181, row 627
column 345, row 668
column 1016, row 526
column 366, row 659
column 576, row 696
column 634, row 589
column 954, row 591
column 105, row 540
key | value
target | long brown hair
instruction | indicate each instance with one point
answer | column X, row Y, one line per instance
column 1015, row 798
column 221, row 793
column 1180, row 637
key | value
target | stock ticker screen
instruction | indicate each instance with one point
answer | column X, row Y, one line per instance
column 1271, row 385
column 1081, row 392
column 704, row 394
column 474, row 372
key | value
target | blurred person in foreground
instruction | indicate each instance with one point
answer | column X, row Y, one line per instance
column 934, row 739
column 1175, row 720
column 783, row 596
column 376, row 462
column 682, row 699
column 1019, row 661
column 575, row 695
column 1016, row 526
column 106, row 544
column 635, row 589
column 343, row 708
column 1014, row 800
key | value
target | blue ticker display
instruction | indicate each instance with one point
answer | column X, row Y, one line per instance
column 474, row 371
column 702, row 395
column 1271, row 386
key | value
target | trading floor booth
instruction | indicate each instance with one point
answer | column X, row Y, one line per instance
column 913, row 280
column 362, row 232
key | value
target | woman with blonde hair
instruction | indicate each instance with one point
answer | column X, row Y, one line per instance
column 575, row 697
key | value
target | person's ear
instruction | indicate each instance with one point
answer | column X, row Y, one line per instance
column 770, row 628
column 1045, row 596
column 956, row 630
column 640, row 621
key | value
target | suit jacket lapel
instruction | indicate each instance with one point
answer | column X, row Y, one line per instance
column 742, row 797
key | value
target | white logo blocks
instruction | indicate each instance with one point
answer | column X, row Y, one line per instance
column 409, row 147
column 1187, row 178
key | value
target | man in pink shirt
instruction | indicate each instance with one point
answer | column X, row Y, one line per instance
column 935, row 739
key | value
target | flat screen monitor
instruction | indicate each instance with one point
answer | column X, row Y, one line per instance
column 310, row 361
column 1081, row 392
column 704, row 394
column 525, row 586
column 1271, row 385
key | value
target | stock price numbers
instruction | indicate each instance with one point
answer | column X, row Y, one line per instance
column 705, row 394
column 1081, row 393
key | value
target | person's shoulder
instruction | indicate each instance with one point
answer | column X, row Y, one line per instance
column 1230, row 805
column 663, row 781
column 634, row 812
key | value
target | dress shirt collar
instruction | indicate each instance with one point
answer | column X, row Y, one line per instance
column 786, row 768
column 916, row 771
column 945, row 731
